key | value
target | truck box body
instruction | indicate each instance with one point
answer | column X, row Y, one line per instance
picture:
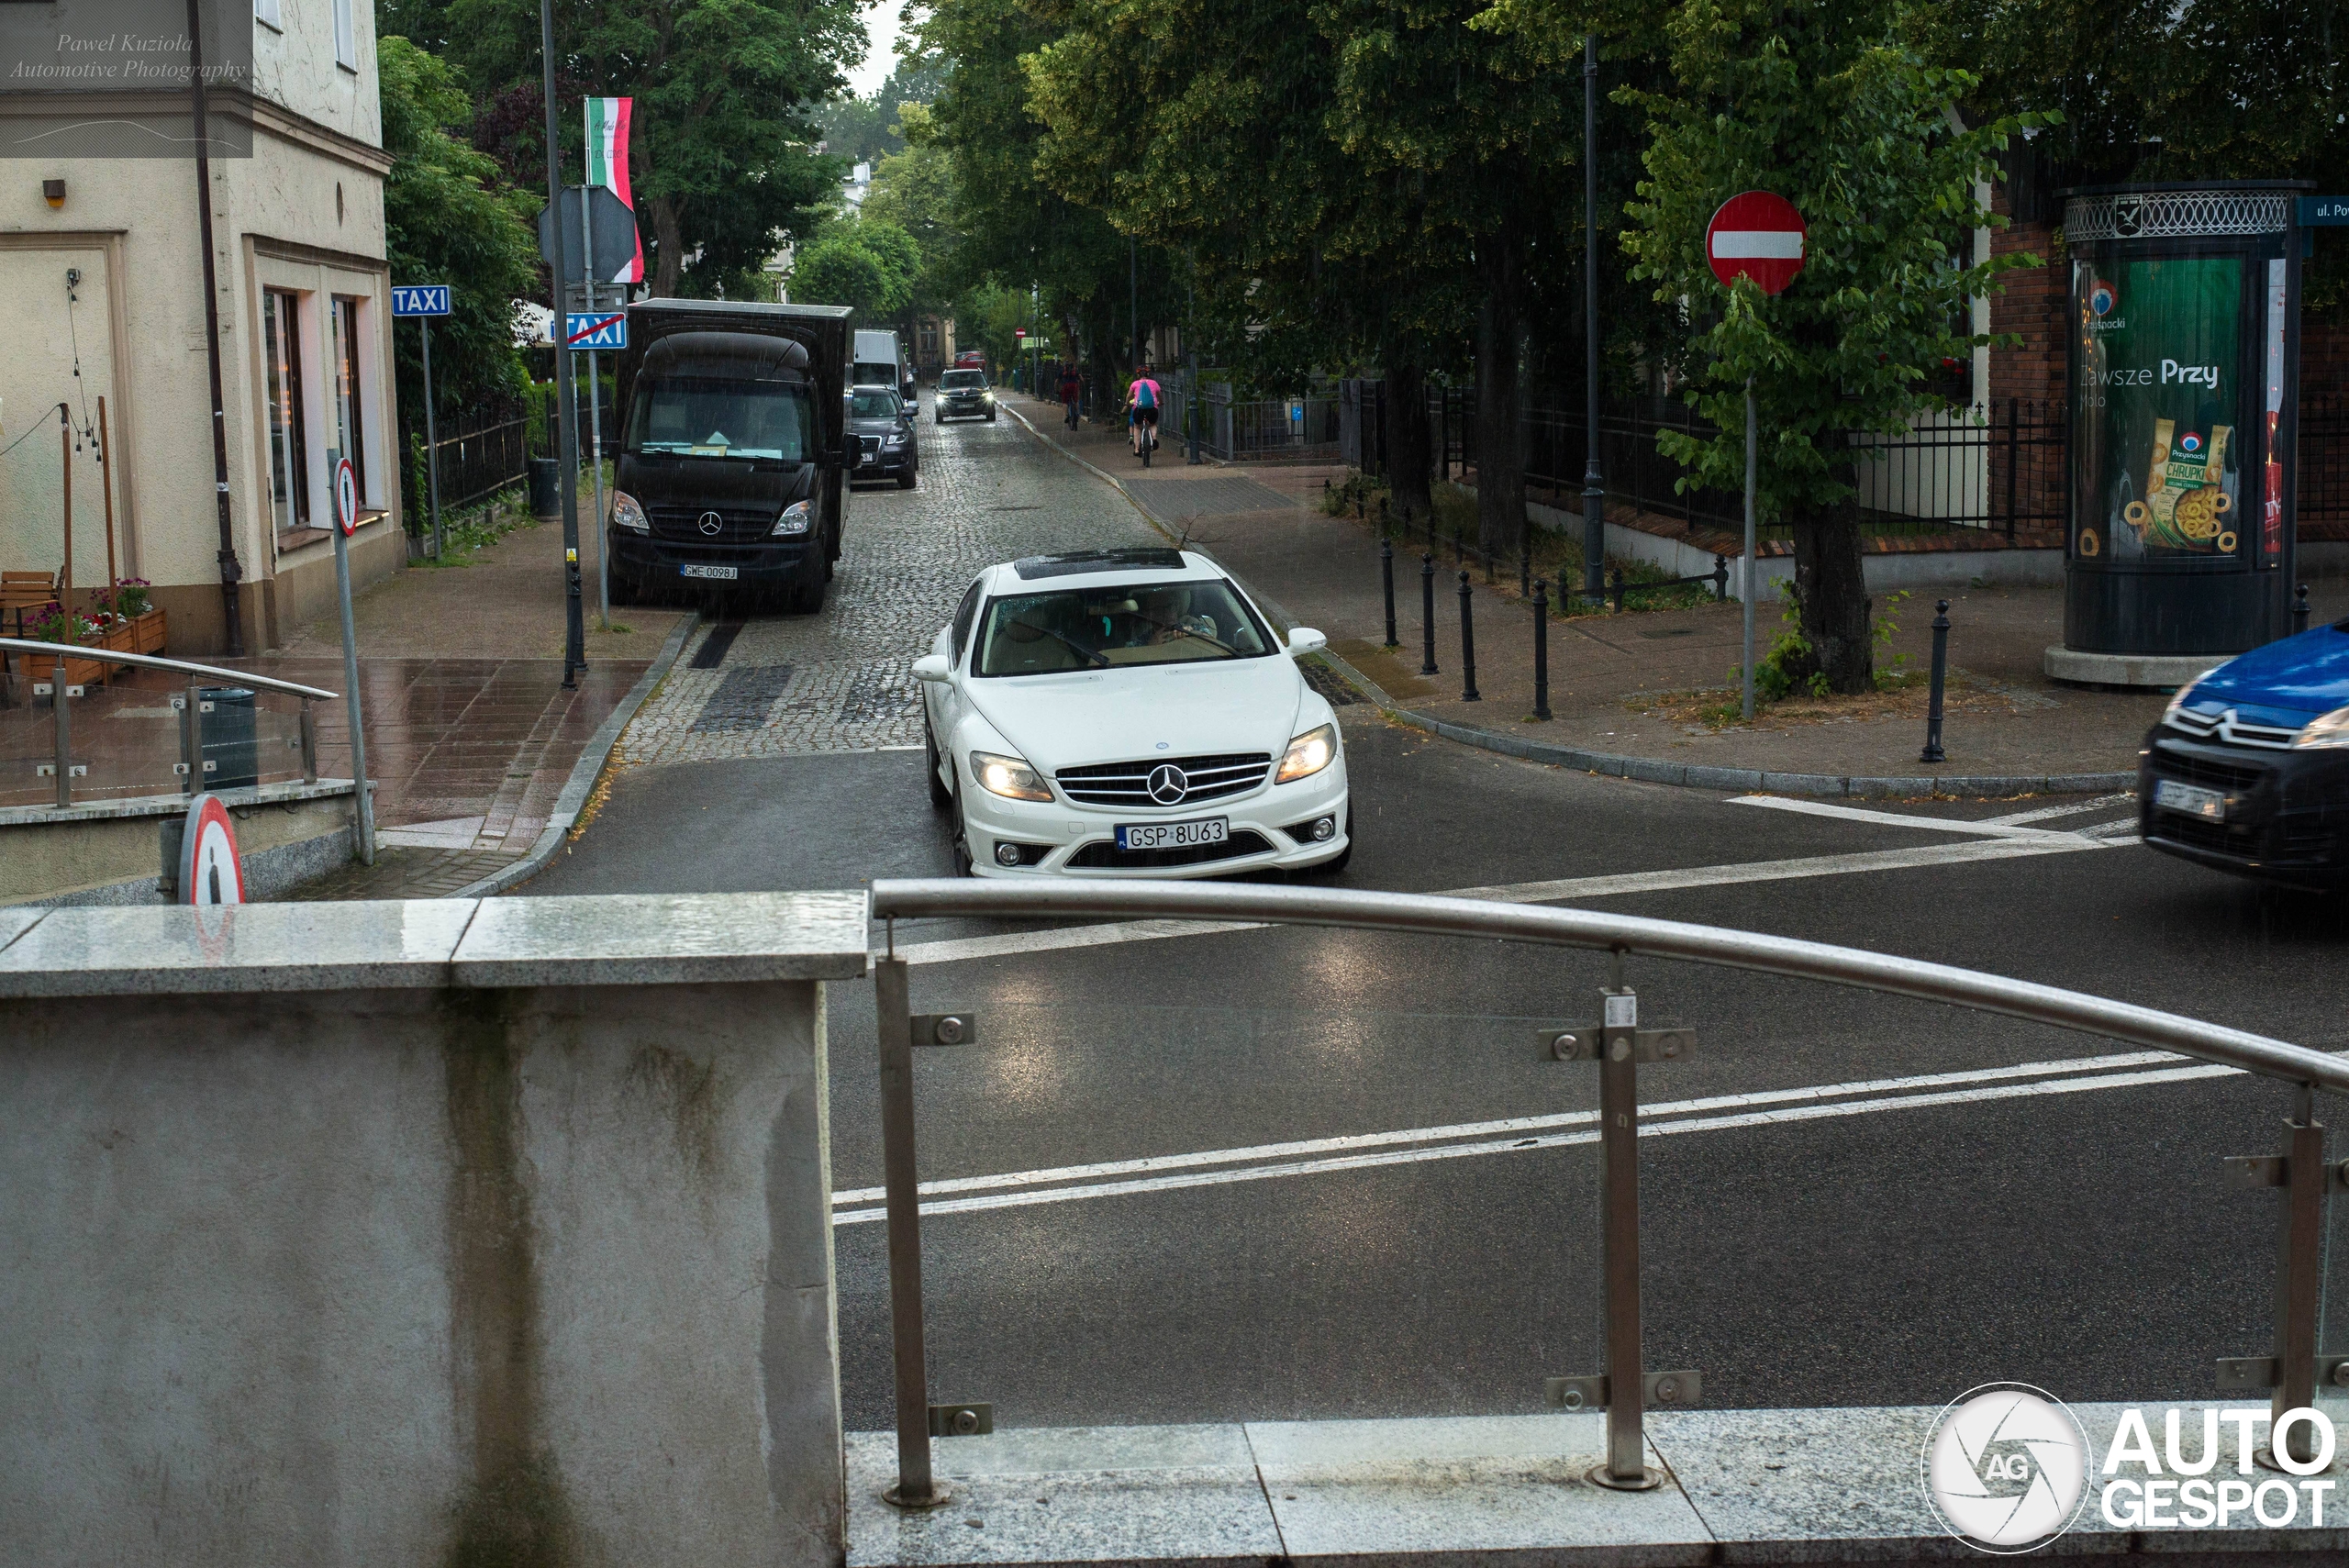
column 732, row 415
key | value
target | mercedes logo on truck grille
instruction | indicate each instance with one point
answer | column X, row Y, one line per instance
column 1167, row 784
column 711, row 523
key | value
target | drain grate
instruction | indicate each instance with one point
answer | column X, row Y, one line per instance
column 713, row 649
column 741, row 699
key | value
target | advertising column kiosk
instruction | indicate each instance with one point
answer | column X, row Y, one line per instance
column 2184, row 364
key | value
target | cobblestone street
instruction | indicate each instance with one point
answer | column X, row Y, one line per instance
column 771, row 684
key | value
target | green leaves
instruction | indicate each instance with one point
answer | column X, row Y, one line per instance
column 865, row 262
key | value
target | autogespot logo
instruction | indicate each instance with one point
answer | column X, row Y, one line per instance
column 2006, row 1467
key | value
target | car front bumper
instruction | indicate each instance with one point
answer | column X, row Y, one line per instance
column 886, row 464
column 2286, row 814
column 961, row 409
column 764, row 563
column 1063, row 838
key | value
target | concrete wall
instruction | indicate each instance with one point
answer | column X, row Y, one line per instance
column 425, row 1233
column 285, row 833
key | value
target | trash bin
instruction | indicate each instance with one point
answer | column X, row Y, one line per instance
column 227, row 738
column 546, row 487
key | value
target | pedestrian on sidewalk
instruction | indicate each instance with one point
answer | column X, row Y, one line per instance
column 1071, row 386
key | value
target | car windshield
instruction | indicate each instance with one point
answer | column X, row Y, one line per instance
column 881, row 374
column 707, row 415
column 956, row 380
column 1139, row 623
column 873, row 406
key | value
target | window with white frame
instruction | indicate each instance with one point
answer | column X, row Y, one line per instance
column 346, row 43
column 266, row 13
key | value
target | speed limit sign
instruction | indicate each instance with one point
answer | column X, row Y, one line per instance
column 346, row 496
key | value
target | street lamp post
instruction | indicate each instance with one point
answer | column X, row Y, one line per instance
column 1594, row 478
column 574, row 631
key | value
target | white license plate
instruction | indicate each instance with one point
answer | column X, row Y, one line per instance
column 2191, row 799
column 1173, row 835
column 715, row 573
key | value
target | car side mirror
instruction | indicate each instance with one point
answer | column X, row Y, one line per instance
column 1304, row 639
column 933, row 667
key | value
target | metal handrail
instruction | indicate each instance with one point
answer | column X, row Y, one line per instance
column 2294, row 1370
column 148, row 661
column 1427, row 914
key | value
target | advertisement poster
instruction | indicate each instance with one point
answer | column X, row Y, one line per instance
column 2159, row 410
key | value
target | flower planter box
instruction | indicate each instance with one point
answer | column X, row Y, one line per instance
column 149, row 630
column 83, row 671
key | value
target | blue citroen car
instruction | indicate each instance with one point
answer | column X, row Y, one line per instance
column 2248, row 771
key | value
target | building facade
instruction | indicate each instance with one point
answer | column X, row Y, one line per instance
column 100, row 259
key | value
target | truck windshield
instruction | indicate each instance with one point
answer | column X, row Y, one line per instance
column 707, row 416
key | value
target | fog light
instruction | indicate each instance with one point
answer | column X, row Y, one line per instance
column 1324, row 828
column 1006, row 854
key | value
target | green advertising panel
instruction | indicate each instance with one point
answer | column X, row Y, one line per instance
column 2158, row 411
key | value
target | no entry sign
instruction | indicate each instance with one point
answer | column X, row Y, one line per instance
column 210, row 872
column 1755, row 235
column 346, row 496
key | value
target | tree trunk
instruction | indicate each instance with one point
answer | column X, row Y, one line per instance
column 1408, row 436
column 1500, row 444
column 669, row 233
column 1832, row 592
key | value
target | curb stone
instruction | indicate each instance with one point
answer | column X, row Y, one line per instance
column 584, row 773
column 1650, row 770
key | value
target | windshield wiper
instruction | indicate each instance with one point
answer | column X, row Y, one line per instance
column 1097, row 659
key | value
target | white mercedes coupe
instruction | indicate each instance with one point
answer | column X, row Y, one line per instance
column 1128, row 712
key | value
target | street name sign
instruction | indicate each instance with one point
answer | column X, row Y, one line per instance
column 1757, row 235
column 596, row 329
column 419, row 299
column 2323, row 211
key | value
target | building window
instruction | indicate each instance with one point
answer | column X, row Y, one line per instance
column 346, row 47
column 266, row 13
column 289, row 475
column 350, row 429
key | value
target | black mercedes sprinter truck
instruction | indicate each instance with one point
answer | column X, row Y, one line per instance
column 731, row 455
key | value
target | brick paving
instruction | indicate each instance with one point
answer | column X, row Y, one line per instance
column 842, row 680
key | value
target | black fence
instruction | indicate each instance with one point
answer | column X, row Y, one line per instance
column 2324, row 458
column 477, row 462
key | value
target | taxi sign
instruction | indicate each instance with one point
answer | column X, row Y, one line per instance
column 346, row 496
column 1757, row 235
column 210, row 872
column 419, row 299
column 596, row 329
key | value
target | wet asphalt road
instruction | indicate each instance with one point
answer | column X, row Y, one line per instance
column 2081, row 1242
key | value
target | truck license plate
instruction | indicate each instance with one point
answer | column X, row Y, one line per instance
column 1173, row 835
column 715, row 573
column 2191, row 799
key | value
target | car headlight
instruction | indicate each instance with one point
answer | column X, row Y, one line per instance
column 2185, row 694
column 626, row 513
column 1008, row 777
column 1309, row 754
column 894, row 438
column 793, row 521
column 986, row 397
column 2327, row 730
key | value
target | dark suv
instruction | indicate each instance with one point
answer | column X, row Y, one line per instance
column 965, row 394
column 881, row 429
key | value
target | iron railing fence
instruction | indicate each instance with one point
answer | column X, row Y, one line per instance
column 478, row 459
column 2324, row 458
column 1272, row 430
column 2297, row 1363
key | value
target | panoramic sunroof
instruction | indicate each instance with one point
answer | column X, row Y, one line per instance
column 1077, row 562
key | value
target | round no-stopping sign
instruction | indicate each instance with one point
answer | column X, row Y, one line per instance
column 346, row 496
column 209, row 870
column 1757, row 235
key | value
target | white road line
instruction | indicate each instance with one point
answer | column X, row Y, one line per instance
column 1554, row 1140
column 2027, row 842
column 2017, row 818
column 1893, row 819
column 1262, row 1152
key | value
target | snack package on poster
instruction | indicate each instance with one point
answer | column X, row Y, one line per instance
column 2188, row 503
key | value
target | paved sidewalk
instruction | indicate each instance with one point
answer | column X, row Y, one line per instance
column 1644, row 683
column 471, row 736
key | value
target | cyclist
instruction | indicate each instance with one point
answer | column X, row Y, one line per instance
column 1072, row 386
column 1142, row 399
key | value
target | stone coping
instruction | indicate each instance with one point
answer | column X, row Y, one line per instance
column 1744, row 1486
column 643, row 940
column 171, row 804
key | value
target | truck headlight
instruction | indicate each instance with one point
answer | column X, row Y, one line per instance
column 793, row 521
column 1008, row 776
column 626, row 513
column 1309, row 754
column 2327, row 730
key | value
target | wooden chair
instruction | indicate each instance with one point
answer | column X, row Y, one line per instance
column 21, row 593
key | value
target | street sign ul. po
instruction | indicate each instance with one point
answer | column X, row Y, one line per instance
column 1757, row 234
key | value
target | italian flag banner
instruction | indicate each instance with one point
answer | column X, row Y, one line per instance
column 608, row 166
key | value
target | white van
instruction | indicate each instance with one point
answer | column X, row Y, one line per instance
column 879, row 362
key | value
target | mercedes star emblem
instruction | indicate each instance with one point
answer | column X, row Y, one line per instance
column 1167, row 784
column 710, row 523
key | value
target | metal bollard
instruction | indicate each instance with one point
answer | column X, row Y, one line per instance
column 2300, row 610
column 1618, row 590
column 1468, row 639
column 1427, row 613
column 1386, row 572
column 1721, row 579
column 1932, row 751
column 1541, row 648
